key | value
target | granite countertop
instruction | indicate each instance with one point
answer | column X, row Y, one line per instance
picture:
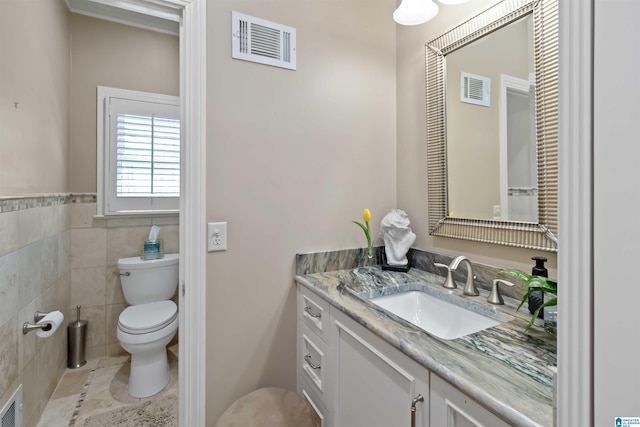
column 503, row 368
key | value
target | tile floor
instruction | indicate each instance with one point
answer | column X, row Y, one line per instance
column 97, row 387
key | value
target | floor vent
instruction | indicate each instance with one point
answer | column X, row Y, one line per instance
column 11, row 414
column 475, row 89
column 256, row 40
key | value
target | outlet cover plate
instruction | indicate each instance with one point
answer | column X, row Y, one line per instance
column 217, row 236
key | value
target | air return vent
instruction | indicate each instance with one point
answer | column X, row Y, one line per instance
column 257, row 40
column 11, row 414
column 475, row 89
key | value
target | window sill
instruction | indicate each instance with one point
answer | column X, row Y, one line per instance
column 138, row 214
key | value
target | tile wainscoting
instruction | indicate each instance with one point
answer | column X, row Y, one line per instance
column 55, row 255
column 96, row 244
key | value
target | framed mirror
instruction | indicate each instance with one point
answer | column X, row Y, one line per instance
column 492, row 127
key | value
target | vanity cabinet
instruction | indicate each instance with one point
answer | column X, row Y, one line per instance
column 353, row 378
column 452, row 408
column 313, row 353
column 375, row 384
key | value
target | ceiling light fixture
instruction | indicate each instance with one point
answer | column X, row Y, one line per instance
column 415, row 12
column 453, row 1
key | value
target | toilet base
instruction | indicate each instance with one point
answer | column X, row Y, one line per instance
column 149, row 373
column 149, row 365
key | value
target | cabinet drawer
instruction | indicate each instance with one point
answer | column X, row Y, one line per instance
column 312, row 358
column 314, row 312
column 307, row 391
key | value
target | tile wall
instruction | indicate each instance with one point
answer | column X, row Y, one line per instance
column 34, row 275
column 54, row 256
column 95, row 247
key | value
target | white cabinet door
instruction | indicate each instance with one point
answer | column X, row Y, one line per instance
column 374, row 383
column 452, row 408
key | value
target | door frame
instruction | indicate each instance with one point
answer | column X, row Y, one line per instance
column 191, row 16
column 507, row 82
column 575, row 208
column 193, row 241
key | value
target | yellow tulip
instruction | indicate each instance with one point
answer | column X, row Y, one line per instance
column 366, row 215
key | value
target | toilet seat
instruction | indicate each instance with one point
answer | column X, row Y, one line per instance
column 146, row 318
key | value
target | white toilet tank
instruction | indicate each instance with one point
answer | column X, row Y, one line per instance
column 150, row 280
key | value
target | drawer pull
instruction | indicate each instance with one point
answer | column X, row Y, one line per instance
column 308, row 310
column 307, row 359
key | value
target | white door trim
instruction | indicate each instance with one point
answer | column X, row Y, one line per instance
column 575, row 208
column 192, row 329
column 507, row 82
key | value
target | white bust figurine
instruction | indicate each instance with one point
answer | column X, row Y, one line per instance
column 397, row 235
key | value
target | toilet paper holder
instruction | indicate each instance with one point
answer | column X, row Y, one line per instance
column 38, row 316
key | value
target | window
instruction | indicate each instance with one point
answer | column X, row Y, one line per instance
column 138, row 152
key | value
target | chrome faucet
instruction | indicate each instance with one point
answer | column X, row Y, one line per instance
column 469, row 287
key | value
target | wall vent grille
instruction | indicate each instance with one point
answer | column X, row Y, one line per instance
column 261, row 41
column 11, row 414
column 475, row 89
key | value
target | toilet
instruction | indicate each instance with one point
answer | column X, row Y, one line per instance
column 150, row 322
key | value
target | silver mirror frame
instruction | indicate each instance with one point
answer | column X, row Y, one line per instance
column 541, row 236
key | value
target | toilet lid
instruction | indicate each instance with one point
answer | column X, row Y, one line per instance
column 149, row 317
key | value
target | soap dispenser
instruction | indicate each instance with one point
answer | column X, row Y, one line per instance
column 536, row 299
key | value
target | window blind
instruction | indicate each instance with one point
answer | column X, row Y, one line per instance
column 139, row 150
column 147, row 156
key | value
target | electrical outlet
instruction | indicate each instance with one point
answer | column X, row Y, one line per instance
column 217, row 236
column 497, row 212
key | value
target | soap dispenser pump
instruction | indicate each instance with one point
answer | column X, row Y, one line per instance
column 536, row 299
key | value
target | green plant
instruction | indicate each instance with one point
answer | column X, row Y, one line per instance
column 534, row 284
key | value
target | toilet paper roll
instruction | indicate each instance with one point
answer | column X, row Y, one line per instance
column 55, row 319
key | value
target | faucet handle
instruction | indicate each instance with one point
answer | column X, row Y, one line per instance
column 448, row 283
column 494, row 296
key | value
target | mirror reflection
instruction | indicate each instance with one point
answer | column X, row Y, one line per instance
column 495, row 195
column 490, row 126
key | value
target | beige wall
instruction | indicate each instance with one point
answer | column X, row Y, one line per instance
column 34, row 73
column 34, row 276
column 411, row 141
column 292, row 158
column 34, row 239
column 105, row 53
column 48, row 143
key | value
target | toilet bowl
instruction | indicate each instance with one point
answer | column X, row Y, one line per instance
column 144, row 331
column 150, row 323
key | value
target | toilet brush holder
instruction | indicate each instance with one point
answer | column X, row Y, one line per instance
column 77, row 336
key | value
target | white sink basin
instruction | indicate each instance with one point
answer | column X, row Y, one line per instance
column 437, row 317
